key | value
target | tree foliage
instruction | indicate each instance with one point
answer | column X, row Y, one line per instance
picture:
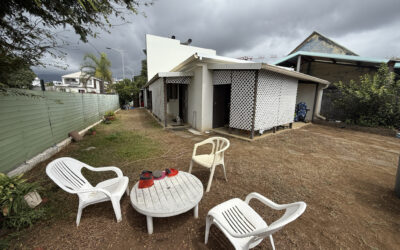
column 125, row 89
column 30, row 28
column 93, row 66
column 20, row 78
column 374, row 101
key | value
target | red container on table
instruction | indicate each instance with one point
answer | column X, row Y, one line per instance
column 146, row 179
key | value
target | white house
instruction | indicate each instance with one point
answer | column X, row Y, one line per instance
column 209, row 91
column 36, row 82
column 73, row 83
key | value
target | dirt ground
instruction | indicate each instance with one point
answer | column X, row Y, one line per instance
column 345, row 177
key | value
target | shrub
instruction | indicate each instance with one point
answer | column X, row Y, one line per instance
column 15, row 212
column 109, row 113
column 374, row 101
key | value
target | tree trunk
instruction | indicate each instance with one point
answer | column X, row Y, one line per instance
column 101, row 86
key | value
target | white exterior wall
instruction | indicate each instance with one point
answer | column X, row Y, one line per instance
column 207, row 99
column 306, row 93
column 195, row 99
column 163, row 54
column 157, row 90
column 145, row 98
column 276, row 100
column 75, row 86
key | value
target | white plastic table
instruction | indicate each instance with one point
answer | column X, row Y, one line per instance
column 168, row 197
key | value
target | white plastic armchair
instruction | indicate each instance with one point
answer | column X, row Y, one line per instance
column 215, row 158
column 66, row 173
column 245, row 228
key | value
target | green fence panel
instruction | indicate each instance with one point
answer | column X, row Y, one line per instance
column 90, row 109
column 35, row 124
column 33, row 121
column 66, row 113
column 11, row 143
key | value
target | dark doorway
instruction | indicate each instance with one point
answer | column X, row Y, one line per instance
column 222, row 101
column 149, row 101
column 183, row 102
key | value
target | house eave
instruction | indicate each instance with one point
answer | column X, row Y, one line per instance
column 294, row 74
column 237, row 66
column 167, row 74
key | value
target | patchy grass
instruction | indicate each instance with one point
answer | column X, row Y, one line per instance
column 115, row 147
column 114, row 144
column 345, row 177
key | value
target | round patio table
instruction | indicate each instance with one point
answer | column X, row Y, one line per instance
column 168, row 197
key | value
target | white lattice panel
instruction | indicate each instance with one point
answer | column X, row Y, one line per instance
column 276, row 100
column 242, row 99
column 157, row 99
column 287, row 104
column 222, row 77
column 179, row 80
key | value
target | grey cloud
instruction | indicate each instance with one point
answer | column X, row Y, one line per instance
column 253, row 28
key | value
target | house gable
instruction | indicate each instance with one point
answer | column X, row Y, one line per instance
column 319, row 43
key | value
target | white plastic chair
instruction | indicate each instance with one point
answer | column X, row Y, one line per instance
column 243, row 227
column 215, row 158
column 66, row 173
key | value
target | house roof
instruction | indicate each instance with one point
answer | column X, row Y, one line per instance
column 180, row 69
column 73, row 75
column 291, row 60
column 226, row 63
column 78, row 75
column 326, row 40
column 167, row 74
column 268, row 67
column 207, row 59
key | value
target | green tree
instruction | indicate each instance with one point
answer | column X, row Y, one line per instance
column 125, row 89
column 374, row 101
column 30, row 28
column 96, row 67
column 20, row 78
column 128, row 90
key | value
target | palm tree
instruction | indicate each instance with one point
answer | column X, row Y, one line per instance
column 96, row 67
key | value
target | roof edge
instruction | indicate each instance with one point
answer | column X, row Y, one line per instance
column 222, row 66
column 167, row 74
column 294, row 74
column 334, row 56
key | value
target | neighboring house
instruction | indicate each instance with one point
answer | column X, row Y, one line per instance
column 36, row 82
column 321, row 57
column 73, row 83
column 209, row 91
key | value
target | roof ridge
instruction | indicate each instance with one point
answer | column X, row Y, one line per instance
column 325, row 37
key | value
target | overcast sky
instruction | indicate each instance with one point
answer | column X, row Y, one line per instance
column 269, row 29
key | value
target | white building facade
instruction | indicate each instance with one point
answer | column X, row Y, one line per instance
column 73, row 83
column 208, row 91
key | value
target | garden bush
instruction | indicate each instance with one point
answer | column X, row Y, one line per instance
column 374, row 101
column 15, row 212
column 109, row 113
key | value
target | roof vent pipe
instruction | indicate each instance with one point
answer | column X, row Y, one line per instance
column 173, row 37
column 189, row 41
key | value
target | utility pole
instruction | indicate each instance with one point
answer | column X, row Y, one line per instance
column 123, row 61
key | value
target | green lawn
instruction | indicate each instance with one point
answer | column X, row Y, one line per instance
column 115, row 144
